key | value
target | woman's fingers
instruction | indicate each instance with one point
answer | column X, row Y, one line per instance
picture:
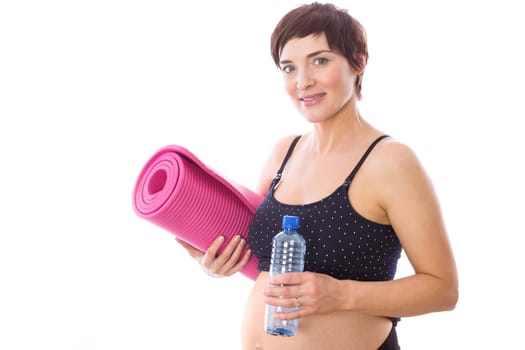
column 216, row 264
column 244, row 261
column 311, row 293
column 210, row 256
column 194, row 252
column 225, row 263
column 231, row 255
column 236, row 263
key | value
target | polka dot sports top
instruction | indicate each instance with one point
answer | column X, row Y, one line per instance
column 339, row 242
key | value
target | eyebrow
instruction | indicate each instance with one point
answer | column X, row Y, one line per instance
column 310, row 55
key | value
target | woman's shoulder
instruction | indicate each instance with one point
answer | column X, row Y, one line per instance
column 396, row 161
column 392, row 158
column 274, row 160
column 393, row 152
column 280, row 148
column 284, row 142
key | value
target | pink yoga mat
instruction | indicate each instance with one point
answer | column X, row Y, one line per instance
column 179, row 193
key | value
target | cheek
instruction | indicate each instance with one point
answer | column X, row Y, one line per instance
column 342, row 82
column 337, row 78
column 290, row 88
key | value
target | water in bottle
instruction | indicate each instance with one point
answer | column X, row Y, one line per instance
column 288, row 250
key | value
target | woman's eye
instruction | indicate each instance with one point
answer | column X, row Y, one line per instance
column 287, row 69
column 320, row 60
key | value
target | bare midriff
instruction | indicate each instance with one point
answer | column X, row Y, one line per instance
column 338, row 330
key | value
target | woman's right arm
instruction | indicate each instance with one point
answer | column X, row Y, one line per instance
column 225, row 264
column 231, row 259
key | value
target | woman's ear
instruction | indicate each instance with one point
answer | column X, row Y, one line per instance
column 360, row 60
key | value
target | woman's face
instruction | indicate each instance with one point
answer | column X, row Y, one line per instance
column 319, row 81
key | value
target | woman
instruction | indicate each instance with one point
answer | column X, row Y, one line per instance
column 361, row 196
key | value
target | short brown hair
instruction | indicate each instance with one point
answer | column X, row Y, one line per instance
column 344, row 34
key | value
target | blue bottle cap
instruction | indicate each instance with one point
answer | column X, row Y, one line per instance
column 290, row 222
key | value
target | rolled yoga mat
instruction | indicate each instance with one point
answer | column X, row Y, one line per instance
column 179, row 193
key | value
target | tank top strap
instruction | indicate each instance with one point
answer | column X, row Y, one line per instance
column 363, row 158
column 285, row 160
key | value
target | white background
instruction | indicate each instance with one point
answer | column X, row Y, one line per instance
column 89, row 90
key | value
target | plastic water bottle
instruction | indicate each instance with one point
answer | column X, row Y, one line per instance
column 288, row 250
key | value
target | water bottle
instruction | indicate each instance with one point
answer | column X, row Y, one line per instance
column 288, row 249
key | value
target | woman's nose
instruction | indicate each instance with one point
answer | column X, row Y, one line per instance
column 304, row 79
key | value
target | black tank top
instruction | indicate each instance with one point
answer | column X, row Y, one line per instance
column 339, row 241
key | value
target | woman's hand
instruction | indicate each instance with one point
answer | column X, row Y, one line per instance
column 227, row 263
column 312, row 293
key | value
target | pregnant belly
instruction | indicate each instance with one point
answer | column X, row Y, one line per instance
column 337, row 330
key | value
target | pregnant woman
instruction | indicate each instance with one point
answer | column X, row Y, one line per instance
column 361, row 195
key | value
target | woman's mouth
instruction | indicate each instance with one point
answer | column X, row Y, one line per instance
column 312, row 99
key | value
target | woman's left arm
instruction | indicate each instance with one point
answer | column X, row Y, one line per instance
column 408, row 198
column 411, row 204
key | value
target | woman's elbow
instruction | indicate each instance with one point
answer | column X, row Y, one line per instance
column 450, row 297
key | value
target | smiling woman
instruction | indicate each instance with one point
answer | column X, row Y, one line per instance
column 324, row 67
column 90, row 89
column 362, row 198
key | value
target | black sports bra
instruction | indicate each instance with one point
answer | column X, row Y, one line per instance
column 339, row 241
